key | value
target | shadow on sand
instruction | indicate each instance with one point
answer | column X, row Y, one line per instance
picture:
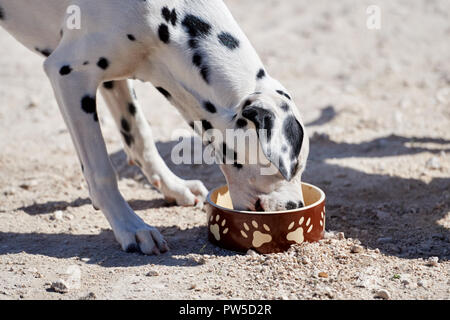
column 411, row 229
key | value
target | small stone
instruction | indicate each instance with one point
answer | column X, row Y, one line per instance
column 252, row 253
column 357, row 249
column 89, row 296
column 85, row 259
column 323, row 275
column 152, row 273
column 433, row 262
column 58, row 215
column 433, row 164
column 341, row 236
column 383, row 294
column 60, row 286
column 306, row 260
column 422, row 283
column 193, row 286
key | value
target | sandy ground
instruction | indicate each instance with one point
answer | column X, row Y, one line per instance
column 377, row 106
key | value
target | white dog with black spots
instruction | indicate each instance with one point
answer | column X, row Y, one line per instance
column 197, row 56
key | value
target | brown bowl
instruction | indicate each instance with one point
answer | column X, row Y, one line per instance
column 265, row 232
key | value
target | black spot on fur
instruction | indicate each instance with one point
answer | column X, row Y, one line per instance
column 131, row 37
column 261, row 74
column 206, row 125
column 197, row 59
column 2, row 14
column 262, row 118
column 227, row 153
column 125, row 125
column 228, row 40
column 164, row 34
column 164, row 92
column 282, row 168
column 108, row 85
column 192, row 125
column 44, row 52
column 241, row 123
column 129, row 140
column 85, row 63
column 170, row 16
column 285, row 107
column 65, row 70
column 282, row 93
column 293, row 133
column 210, row 107
column 89, row 105
column 193, row 43
column 103, row 63
column 195, row 26
column 205, row 73
column 132, row 109
column 301, row 204
column 246, row 104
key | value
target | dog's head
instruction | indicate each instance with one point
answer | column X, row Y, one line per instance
column 270, row 152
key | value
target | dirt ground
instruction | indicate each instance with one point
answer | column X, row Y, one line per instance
column 377, row 108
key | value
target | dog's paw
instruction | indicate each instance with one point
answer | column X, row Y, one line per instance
column 187, row 193
column 258, row 238
column 140, row 237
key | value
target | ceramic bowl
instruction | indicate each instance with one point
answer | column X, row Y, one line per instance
column 265, row 232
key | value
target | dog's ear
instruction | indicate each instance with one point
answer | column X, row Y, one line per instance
column 281, row 140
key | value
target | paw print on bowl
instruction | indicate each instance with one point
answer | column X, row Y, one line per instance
column 218, row 227
column 258, row 238
column 298, row 235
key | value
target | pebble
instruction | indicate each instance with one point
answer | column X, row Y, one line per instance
column 433, row 164
column 341, row 236
column 422, row 283
column 152, row 273
column 193, row 286
column 60, row 286
column 383, row 294
column 323, row 275
column 305, row 260
column 89, row 296
column 252, row 253
column 357, row 249
column 58, row 215
column 433, row 262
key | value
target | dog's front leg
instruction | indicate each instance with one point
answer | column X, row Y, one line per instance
column 140, row 146
column 75, row 89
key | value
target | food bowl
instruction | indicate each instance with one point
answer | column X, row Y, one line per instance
column 265, row 232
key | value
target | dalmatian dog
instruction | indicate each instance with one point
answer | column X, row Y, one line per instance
column 196, row 55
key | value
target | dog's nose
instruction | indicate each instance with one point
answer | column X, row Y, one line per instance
column 291, row 205
column 262, row 206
